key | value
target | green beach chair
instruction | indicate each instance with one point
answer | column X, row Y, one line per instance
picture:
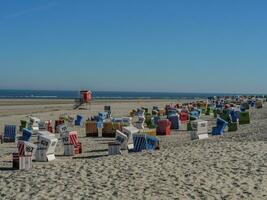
column 244, row 118
column 232, row 127
column 23, row 124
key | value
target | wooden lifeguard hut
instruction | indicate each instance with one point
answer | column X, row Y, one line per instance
column 84, row 102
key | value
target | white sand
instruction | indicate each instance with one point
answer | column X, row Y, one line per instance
column 230, row 167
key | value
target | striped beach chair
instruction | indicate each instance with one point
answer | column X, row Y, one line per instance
column 144, row 142
column 71, row 144
column 9, row 133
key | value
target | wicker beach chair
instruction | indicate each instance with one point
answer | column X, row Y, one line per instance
column 9, row 133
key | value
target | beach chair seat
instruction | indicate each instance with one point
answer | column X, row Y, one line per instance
column 108, row 130
column 91, row 129
column 26, row 134
column 219, row 129
column 164, row 127
column 174, row 119
column 9, row 133
column 79, row 120
column 244, row 118
column 46, row 145
column 23, row 124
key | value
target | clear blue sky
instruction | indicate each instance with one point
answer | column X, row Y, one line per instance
column 134, row 45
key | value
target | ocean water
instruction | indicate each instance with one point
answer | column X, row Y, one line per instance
column 47, row 94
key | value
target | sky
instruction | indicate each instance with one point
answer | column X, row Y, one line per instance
column 134, row 45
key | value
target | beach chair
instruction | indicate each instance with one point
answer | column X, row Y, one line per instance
column 26, row 134
column 174, row 119
column 148, row 121
column 23, row 124
column 184, row 117
column 57, row 123
column 127, row 121
column 219, row 129
column 114, row 148
column 244, row 106
column 195, row 114
column 244, row 118
column 71, row 144
column 129, row 131
column 62, row 128
column 122, row 139
column 152, row 143
column 9, row 133
column 140, row 124
column 199, row 130
column 225, row 115
column 103, row 115
column 164, row 127
column 234, row 115
column 91, row 129
column 258, row 104
column 79, row 120
column 108, row 130
column 47, row 143
column 232, row 126
column 144, row 142
column 23, row 158
column 107, row 109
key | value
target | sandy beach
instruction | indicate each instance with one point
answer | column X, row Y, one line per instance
column 233, row 166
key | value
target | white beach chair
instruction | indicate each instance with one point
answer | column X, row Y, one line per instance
column 47, row 143
column 200, row 130
column 122, row 139
column 129, row 131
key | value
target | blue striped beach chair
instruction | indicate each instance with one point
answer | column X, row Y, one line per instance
column 144, row 142
column 10, row 133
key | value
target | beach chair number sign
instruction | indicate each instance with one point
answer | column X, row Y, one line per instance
column 44, row 143
column 29, row 149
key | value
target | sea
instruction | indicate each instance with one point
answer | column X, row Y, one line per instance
column 98, row 95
